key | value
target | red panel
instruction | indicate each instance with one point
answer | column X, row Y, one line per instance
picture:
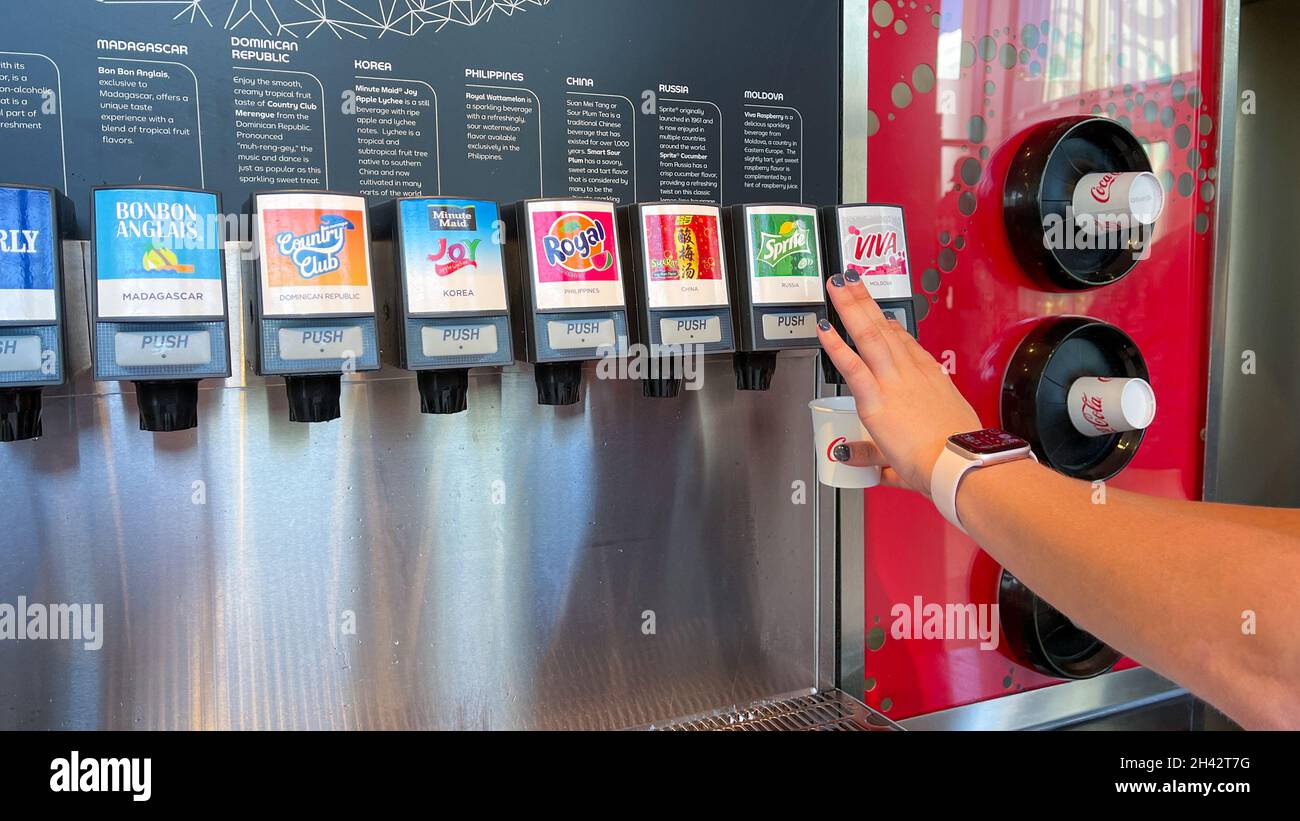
column 1098, row 57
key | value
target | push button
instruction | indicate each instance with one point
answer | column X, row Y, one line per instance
column 162, row 348
column 20, row 353
column 322, row 343
column 690, row 330
column 458, row 340
column 789, row 326
column 580, row 333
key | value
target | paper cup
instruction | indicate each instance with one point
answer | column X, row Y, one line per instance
column 1099, row 406
column 1137, row 197
column 835, row 421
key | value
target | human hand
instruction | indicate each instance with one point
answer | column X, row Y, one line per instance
column 905, row 399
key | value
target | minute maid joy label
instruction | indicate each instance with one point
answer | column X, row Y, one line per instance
column 575, row 254
column 28, row 256
column 451, row 256
column 157, row 254
column 784, row 254
column 315, row 254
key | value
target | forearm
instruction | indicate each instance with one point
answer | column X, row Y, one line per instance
column 1159, row 579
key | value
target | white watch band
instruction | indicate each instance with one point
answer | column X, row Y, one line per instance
column 952, row 466
column 946, row 478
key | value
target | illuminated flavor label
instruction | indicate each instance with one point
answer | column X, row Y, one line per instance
column 684, row 263
column 315, row 256
column 28, row 256
column 575, row 255
column 157, row 254
column 784, row 255
column 873, row 243
column 451, row 255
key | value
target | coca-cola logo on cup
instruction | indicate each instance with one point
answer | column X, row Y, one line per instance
column 1094, row 414
column 1101, row 191
column 830, row 449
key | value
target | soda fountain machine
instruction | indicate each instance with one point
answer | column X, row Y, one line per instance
column 440, row 271
column 158, row 301
column 567, row 292
column 777, row 284
column 677, row 287
column 311, row 296
column 31, row 304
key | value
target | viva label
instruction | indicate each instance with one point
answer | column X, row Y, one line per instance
column 784, row 255
column 28, row 256
column 158, row 253
column 873, row 244
column 451, row 256
column 315, row 254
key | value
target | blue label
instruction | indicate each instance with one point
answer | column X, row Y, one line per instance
column 157, row 234
column 27, row 244
column 451, row 256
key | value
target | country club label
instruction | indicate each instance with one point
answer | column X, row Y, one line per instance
column 684, row 263
column 158, row 253
column 315, row 256
column 575, row 254
column 784, row 254
column 28, row 256
column 451, row 256
column 873, row 243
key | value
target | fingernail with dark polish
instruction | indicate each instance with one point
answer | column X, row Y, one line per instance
column 837, row 281
column 824, row 325
column 841, row 453
column 852, row 276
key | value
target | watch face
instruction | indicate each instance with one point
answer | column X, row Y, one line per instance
column 988, row 441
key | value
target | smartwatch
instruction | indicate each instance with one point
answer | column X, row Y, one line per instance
column 966, row 452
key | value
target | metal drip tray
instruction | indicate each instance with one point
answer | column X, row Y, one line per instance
column 831, row 710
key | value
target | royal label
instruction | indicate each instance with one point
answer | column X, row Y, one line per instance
column 451, row 256
column 784, row 254
column 28, row 256
column 873, row 243
column 575, row 255
column 683, row 256
column 315, row 254
column 158, row 253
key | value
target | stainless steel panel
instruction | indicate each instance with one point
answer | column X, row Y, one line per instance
column 851, row 505
column 1252, row 440
column 824, row 711
column 1056, row 707
column 500, row 565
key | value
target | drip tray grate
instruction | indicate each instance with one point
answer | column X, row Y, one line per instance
column 829, row 711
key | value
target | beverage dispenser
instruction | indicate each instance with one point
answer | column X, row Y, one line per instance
column 312, row 298
column 677, row 287
column 31, row 304
column 158, row 298
column 777, row 285
column 566, row 290
column 869, row 240
column 441, row 276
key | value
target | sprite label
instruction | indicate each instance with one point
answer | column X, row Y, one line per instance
column 783, row 245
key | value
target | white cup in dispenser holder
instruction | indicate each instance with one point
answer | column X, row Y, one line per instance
column 1114, row 198
column 1100, row 406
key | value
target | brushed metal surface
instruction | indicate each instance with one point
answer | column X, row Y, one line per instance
column 499, row 565
column 1058, row 707
column 1252, row 439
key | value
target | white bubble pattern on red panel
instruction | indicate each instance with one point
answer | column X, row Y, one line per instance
column 362, row 19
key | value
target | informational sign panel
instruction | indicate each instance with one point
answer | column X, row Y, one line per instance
column 626, row 100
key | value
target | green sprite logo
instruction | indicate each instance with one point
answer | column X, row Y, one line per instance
column 784, row 245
